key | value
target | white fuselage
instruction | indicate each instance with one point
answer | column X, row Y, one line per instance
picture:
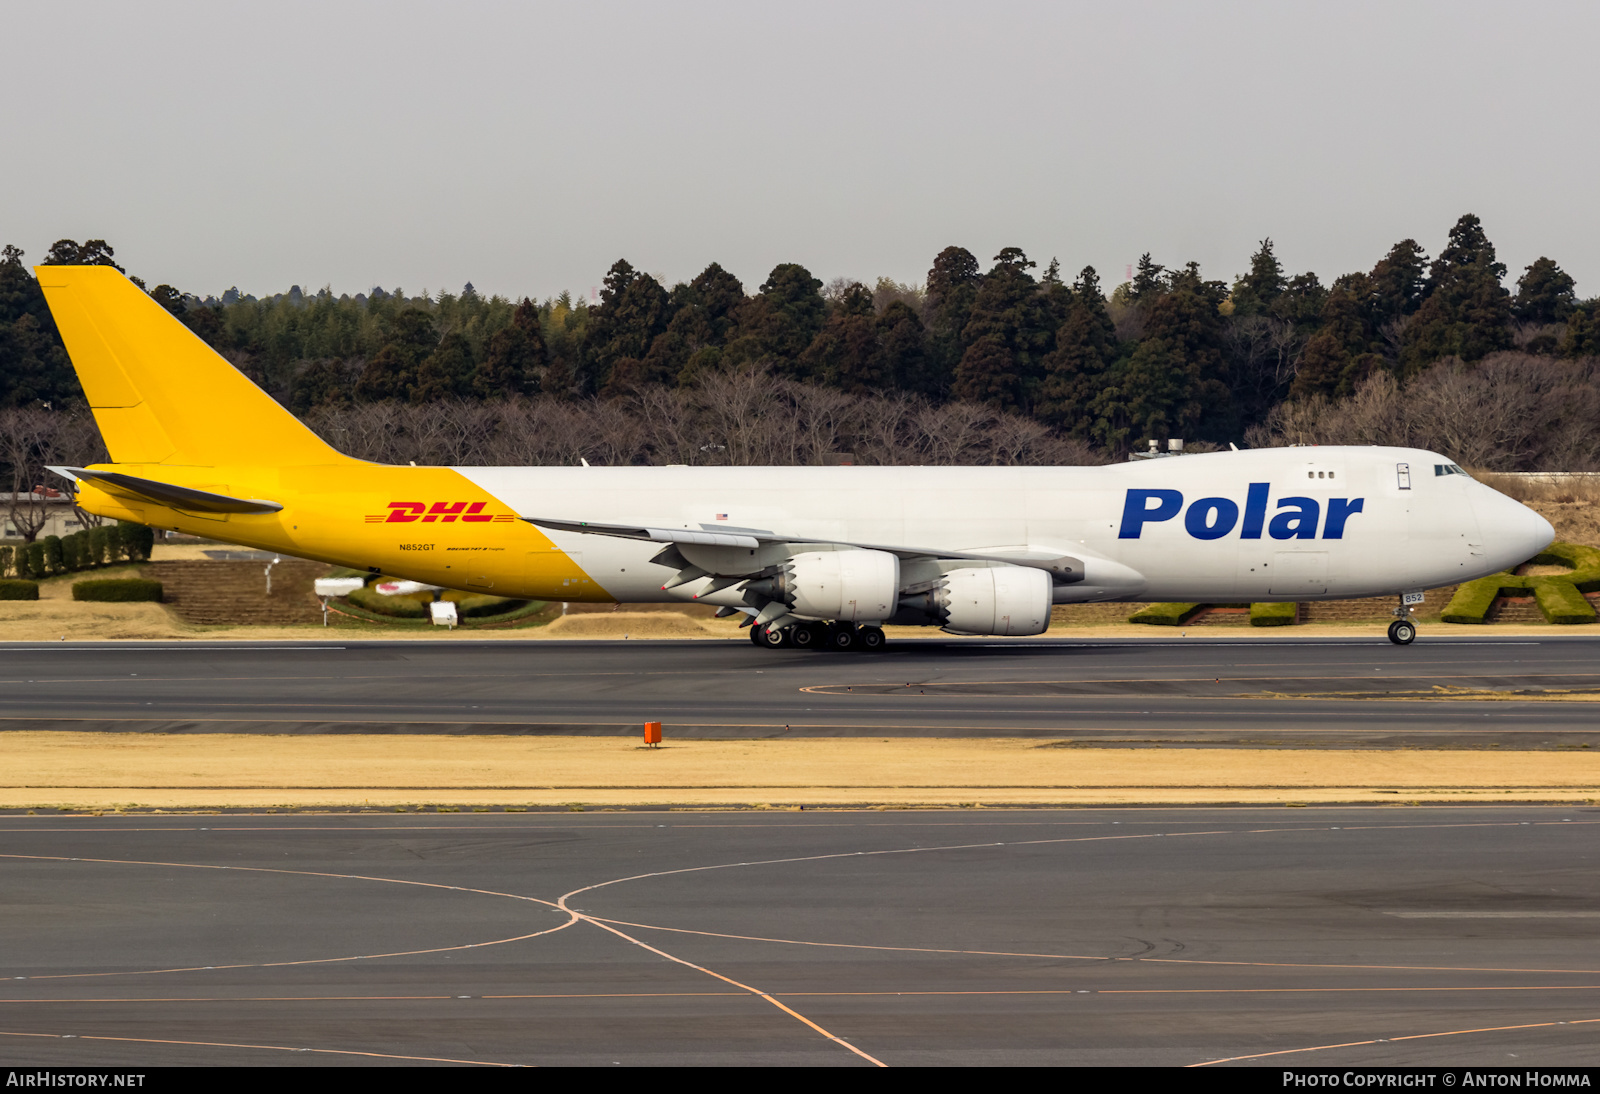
column 1307, row 523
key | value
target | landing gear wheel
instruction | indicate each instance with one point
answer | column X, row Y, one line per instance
column 807, row 636
column 756, row 634
column 1402, row 632
column 871, row 638
column 773, row 639
column 842, row 636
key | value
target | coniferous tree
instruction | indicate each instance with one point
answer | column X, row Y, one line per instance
column 171, row 299
column 634, row 310
column 325, row 382
column 988, row 374
column 1012, row 322
column 1147, row 283
column 94, row 252
column 905, row 359
column 391, row 373
column 1545, row 294
column 445, row 373
column 1300, row 303
column 1342, row 353
column 1174, row 384
column 952, row 286
column 1582, row 337
column 515, row 357
column 845, row 353
column 779, row 322
column 1400, row 281
column 702, row 315
column 1467, row 312
column 33, row 363
column 1255, row 291
column 1086, row 345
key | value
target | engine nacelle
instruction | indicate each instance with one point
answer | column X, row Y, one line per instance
column 853, row 586
column 1009, row 600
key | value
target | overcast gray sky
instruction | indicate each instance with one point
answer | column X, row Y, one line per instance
column 526, row 147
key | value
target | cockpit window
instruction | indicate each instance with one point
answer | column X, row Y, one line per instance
column 1447, row 469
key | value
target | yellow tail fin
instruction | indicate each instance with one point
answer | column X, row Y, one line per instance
column 159, row 394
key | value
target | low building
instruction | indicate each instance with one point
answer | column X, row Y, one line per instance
column 61, row 517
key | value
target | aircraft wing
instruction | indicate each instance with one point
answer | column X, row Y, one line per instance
column 164, row 493
column 1063, row 568
column 655, row 535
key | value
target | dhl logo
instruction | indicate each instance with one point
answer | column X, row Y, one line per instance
column 407, row 512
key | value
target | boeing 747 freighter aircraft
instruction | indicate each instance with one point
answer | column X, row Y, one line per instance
column 811, row 556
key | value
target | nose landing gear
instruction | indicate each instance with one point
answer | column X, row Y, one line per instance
column 1403, row 631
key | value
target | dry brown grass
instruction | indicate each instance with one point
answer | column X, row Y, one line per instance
column 631, row 624
column 111, row 771
column 1573, row 508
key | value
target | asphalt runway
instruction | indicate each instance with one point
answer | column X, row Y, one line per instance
column 1282, row 937
column 1257, row 691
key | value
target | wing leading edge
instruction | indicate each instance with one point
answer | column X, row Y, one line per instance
column 1064, row 569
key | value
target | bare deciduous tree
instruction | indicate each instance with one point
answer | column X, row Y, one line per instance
column 1509, row 412
column 31, row 438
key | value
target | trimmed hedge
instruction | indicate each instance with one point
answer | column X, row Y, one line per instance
column 479, row 607
column 1165, row 615
column 118, row 590
column 1561, row 602
column 1274, row 615
column 15, row 589
column 1473, row 600
column 1585, row 563
column 84, row 550
column 1559, row 596
column 401, row 607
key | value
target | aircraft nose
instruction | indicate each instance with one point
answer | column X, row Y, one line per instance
column 1513, row 531
column 1542, row 531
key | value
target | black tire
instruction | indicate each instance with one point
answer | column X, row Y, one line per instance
column 1402, row 632
column 774, row 639
column 756, row 631
column 807, row 636
column 871, row 638
column 842, row 637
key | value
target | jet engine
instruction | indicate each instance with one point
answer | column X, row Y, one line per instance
column 855, row 586
column 1007, row 600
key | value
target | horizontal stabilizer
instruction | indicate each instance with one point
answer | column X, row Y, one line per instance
column 164, row 493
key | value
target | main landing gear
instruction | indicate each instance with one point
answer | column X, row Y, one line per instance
column 819, row 636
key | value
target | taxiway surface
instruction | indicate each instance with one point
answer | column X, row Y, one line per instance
column 1310, row 937
column 1275, row 690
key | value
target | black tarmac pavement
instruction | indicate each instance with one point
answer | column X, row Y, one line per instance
column 1269, row 690
column 1269, row 937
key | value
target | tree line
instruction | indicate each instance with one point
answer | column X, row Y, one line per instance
column 656, row 371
